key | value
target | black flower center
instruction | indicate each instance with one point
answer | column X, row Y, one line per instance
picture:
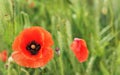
column 33, row 47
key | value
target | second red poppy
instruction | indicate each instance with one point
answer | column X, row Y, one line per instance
column 80, row 50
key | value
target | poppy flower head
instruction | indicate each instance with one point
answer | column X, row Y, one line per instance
column 3, row 56
column 80, row 50
column 32, row 47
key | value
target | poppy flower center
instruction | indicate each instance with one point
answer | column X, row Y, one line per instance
column 33, row 47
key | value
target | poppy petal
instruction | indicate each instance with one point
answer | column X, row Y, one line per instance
column 31, row 34
column 22, row 60
column 80, row 50
column 16, row 43
column 47, row 38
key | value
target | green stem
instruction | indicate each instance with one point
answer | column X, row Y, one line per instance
column 26, row 72
column 60, row 58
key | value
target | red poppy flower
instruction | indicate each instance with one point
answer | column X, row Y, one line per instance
column 3, row 56
column 80, row 50
column 32, row 47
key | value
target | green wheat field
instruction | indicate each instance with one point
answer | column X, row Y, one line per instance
column 95, row 21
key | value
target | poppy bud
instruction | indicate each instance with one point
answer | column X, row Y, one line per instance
column 57, row 50
column 3, row 56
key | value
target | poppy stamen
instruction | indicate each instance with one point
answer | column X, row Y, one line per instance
column 33, row 47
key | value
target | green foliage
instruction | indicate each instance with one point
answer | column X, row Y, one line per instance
column 96, row 21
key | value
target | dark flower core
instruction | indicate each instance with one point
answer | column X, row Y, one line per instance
column 33, row 47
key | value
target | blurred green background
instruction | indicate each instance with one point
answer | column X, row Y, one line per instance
column 96, row 21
